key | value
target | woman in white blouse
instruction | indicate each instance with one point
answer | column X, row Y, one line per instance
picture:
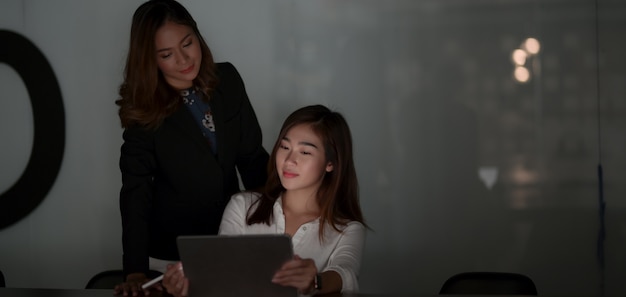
column 312, row 195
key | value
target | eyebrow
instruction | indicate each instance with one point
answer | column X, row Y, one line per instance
column 306, row 143
column 169, row 48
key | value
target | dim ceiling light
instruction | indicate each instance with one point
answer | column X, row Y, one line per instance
column 519, row 57
column 532, row 46
column 521, row 74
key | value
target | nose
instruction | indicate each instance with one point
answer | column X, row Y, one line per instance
column 290, row 158
column 182, row 58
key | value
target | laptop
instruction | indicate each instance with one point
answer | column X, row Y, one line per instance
column 235, row 265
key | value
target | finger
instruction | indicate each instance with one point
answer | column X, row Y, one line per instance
column 135, row 289
column 175, row 271
column 175, row 285
column 294, row 274
column 158, row 287
column 185, row 291
column 298, row 262
column 169, row 271
column 291, row 264
column 180, row 283
column 127, row 288
column 155, row 287
column 301, row 267
column 300, row 284
column 172, row 276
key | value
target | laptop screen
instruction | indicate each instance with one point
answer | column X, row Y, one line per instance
column 235, row 265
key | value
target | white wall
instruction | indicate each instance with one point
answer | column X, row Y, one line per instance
column 427, row 88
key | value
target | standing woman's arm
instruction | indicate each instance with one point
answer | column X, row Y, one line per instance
column 137, row 164
column 252, row 158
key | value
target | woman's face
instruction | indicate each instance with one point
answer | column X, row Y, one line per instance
column 178, row 54
column 301, row 160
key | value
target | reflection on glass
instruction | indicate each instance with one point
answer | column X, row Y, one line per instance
column 521, row 74
column 519, row 57
column 532, row 46
column 489, row 175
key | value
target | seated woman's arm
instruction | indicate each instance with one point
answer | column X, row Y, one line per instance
column 339, row 276
column 345, row 261
column 234, row 217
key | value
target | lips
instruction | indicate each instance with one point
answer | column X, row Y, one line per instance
column 187, row 70
column 288, row 174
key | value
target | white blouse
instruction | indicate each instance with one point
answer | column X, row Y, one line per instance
column 339, row 252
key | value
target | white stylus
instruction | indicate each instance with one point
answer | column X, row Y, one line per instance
column 152, row 282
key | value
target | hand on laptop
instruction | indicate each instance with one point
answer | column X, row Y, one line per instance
column 298, row 273
column 174, row 280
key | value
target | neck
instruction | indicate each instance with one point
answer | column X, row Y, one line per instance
column 300, row 203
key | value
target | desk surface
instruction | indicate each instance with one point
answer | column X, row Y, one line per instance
column 23, row 292
column 19, row 292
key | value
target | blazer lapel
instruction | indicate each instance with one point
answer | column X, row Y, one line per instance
column 184, row 121
column 216, row 103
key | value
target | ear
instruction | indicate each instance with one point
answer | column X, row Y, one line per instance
column 329, row 167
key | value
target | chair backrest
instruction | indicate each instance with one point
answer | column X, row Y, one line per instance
column 109, row 278
column 489, row 283
column 2, row 283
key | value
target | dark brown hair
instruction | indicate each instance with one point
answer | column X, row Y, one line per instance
column 338, row 196
column 145, row 97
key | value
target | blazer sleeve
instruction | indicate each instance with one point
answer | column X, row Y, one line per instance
column 137, row 165
column 252, row 158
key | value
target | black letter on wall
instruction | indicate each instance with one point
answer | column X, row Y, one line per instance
column 49, row 132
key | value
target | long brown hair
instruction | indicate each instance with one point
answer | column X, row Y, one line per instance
column 338, row 196
column 145, row 97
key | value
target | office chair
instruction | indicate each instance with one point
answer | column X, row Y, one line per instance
column 109, row 278
column 2, row 284
column 489, row 283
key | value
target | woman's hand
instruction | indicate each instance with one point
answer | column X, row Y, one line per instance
column 174, row 280
column 132, row 285
column 298, row 273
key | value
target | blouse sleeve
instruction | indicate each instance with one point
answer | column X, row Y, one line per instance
column 346, row 258
column 234, row 218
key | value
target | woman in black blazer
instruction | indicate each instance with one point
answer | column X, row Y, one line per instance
column 189, row 130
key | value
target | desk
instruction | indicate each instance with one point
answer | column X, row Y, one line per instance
column 19, row 292
column 23, row 292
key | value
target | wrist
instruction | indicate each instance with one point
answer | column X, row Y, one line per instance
column 318, row 281
column 317, row 284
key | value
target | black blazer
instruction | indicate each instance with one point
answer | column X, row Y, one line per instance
column 171, row 182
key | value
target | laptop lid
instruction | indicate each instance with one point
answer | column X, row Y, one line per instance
column 235, row 265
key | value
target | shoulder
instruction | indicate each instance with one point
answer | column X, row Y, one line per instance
column 136, row 132
column 227, row 72
column 244, row 199
column 231, row 90
column 225, row 67
column 352, row 229
column 354, row 226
